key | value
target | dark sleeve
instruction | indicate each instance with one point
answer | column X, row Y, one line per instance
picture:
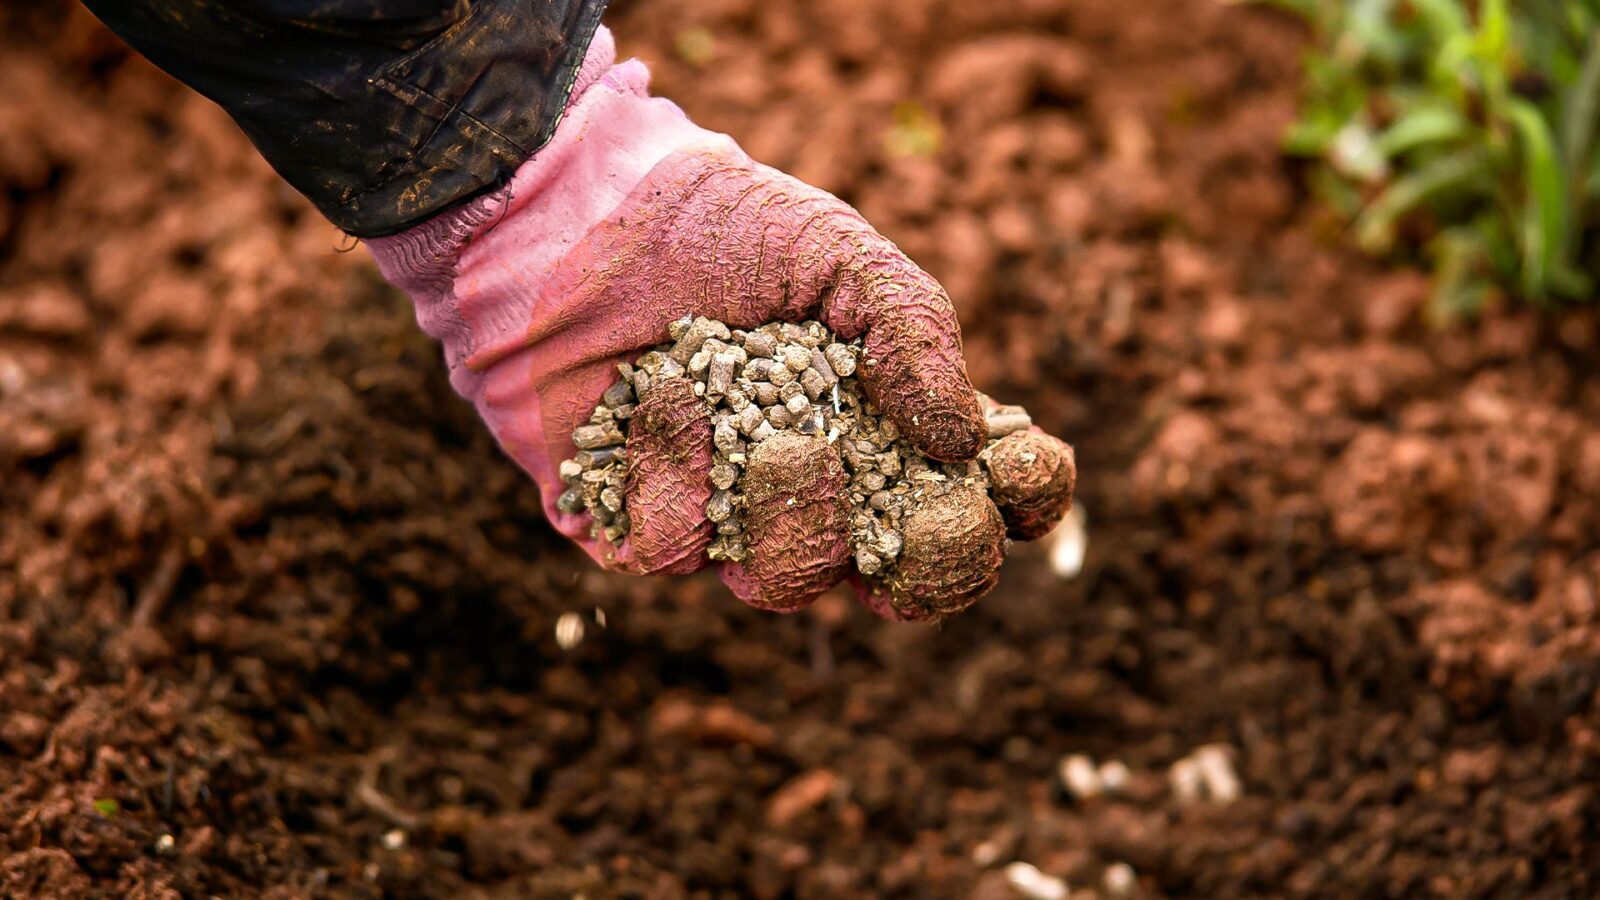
column 382, row 112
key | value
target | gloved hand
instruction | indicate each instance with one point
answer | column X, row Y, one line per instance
column 632, row 217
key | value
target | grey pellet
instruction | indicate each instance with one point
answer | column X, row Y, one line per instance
column 812, row 382
column 695, row 336
column 616, row 395
column 757, row 369
column 570, row 501
column 594, row 459
column 700, row 362
column 750, row 419
column 889, row 463
column 726, row 436
column 1002, row 425
column 796, row 358
column 819, row 362
column 720, row 376
column 841, row 358
column 889, row 544
column 757, row 343
column 720, row 506
column 590, row 437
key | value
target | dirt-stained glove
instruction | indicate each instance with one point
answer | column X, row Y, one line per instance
column 630, row 218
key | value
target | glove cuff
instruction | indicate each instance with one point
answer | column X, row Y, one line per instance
column 422, row 259
column 611, row 136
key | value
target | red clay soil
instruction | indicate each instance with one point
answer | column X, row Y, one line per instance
column 277, row 619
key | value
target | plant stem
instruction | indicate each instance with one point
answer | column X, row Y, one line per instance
column 1577, row 135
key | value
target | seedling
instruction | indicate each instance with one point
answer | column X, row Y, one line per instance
column 1466, row 129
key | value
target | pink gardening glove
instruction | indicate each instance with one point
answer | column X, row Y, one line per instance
column 632, row 217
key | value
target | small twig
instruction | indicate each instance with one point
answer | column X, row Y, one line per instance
column 158, row 589
column 377, row 801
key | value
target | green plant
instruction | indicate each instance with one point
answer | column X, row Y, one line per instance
column 1470, row 125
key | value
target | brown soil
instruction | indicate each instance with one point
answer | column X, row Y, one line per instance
column 266, row 587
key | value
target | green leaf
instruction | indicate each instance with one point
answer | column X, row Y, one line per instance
column 1494, row 30
column 1454, row 70
column 1374, row 228
column 1583, row 109
column 1544, row 216
column 1427, row 125
column 1482, row 114
column 1309, row 136
column 107, row 806
column 1489, row 51
column 1362, row 33
column 1444, row 19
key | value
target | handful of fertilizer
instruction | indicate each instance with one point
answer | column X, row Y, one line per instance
column 795, row 435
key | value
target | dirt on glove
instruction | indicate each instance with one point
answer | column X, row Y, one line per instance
column 277, row 619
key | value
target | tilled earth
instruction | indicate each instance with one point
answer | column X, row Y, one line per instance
column 277, row 619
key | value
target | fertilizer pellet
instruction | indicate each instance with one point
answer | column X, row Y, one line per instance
column 1206, row 774
column 1027, row 880
column 1119, row 880
column 1079, row 776
column 1114, row 776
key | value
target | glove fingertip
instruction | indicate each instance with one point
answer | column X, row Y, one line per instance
column 950, row 434
column 668, row 485
column 880, row 602
column 1032, row 477
column 797, row 522
column 752, row 592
